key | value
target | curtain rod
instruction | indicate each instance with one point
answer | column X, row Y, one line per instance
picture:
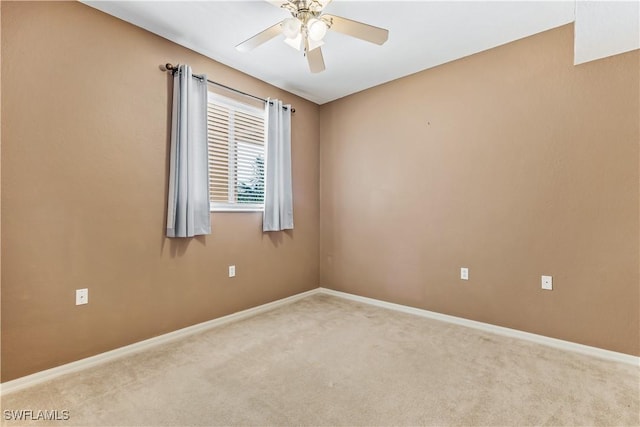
column 172, row 68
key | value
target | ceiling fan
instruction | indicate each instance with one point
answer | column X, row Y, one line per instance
column 307, row 26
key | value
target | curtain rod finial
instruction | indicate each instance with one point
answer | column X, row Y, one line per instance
column 167, row 67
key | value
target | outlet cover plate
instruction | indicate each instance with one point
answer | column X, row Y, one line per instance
column 547, row 283
column 464, row 273
column 82, row 296
column 232, row 271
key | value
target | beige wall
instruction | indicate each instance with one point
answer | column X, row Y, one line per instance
column 513, row 163
column 84, row 150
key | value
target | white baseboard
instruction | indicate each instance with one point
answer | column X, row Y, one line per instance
column 500, row 330
column 49, row 374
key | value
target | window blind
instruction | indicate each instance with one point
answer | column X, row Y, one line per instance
column 236, row 136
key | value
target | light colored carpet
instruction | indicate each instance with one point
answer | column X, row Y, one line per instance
column 327, row 361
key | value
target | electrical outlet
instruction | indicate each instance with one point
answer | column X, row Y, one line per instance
column 547, row 283
column 82, row 296
column 464, row 273
column 232, row 271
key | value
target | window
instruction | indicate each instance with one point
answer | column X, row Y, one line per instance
column 236, row 133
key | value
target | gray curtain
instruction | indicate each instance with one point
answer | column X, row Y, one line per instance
column 188, row 201
column 278, row 198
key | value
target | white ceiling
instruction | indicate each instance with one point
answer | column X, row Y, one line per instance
column 605, row 28
column 422, row 34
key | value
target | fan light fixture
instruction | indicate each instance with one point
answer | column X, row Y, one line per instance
column 297, row 31
column 294, row 42
column 291, row 27
column 307, row 27
column 317, row 29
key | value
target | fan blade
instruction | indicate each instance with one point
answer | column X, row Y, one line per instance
column 315, row 59
column 357, row 29
column 260, row 38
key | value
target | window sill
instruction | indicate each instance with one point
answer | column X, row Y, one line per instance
column 233, row 208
